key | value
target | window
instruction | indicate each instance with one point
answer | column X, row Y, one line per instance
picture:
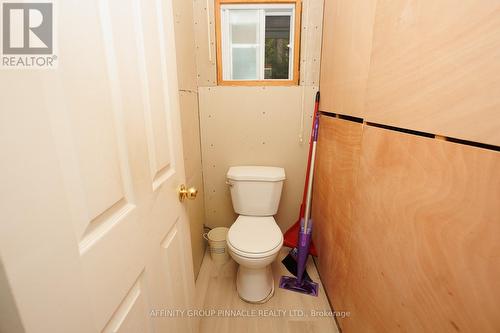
column 258, row 42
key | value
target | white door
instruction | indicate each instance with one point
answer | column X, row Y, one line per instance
column 92, row 234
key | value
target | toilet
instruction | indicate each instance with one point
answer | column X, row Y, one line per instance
column 254, row 239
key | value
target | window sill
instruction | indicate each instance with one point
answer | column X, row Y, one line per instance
column 259, row 83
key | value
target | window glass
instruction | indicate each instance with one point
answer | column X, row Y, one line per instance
column 257, row 41
column 244, row 64
column 244, row 49
column 244, row 26
column 277, row 47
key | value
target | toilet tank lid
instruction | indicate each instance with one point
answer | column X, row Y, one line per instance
column 256, row 173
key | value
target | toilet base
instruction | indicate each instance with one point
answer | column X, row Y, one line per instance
column 255, row 285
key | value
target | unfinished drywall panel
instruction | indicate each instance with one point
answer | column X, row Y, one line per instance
column 190, row 122
column 310, row 48
column 193, row 168
column 191, row 132
column 425, row 237
column 345, row 59
column 254, row 126
column 196, row 212
column 10, row 320
column 337, row 160
column 204, row 29
column 435, row 68
column 184, row 43
column 310, row 51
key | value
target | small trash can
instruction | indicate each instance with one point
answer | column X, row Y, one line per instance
column 217, row 244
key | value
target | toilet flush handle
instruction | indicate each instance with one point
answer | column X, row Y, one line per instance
column 229, row 183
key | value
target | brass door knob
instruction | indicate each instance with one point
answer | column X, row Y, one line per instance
column 187, row 193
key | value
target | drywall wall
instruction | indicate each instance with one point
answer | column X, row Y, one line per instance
column 428, row 66
column 255, row 125
column 310, row 49
column 204, row 34
column 10, row 321
column 188, row 93
column 413, row 222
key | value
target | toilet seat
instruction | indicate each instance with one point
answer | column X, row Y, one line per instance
column 255, row 236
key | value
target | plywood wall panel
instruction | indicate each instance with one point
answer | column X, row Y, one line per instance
column 425, row 237
column 337, row 161
column 435, row 68
column 346, row 52
column 253, row 126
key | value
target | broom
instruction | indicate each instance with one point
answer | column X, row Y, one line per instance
column 300, row 283
column 291, row 236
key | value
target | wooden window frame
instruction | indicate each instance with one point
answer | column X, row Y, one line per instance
column 296, row 42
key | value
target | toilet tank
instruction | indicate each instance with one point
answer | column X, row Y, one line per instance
column 255, row 190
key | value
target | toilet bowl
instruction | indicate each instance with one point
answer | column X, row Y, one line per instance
column 254, row 239
column 254, row 243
